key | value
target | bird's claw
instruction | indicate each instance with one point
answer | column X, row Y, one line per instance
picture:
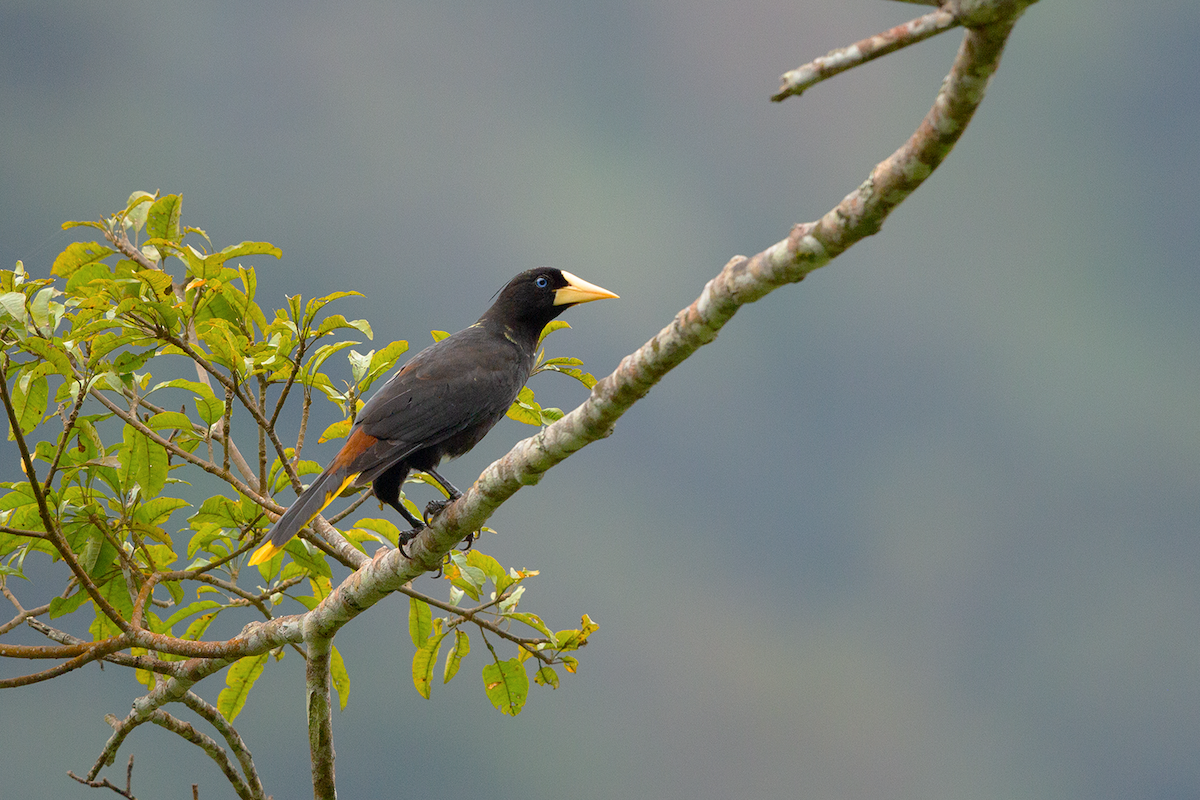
column 407, row 537
column 434, row 508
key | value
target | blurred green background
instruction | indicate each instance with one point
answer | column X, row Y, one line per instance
column 923, row 526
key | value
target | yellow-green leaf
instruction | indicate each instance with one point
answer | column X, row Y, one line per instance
column 170, row 419
column 188, row 610
column 338, row 430
column 29, row 398
column 340, row 678
column 424, row 660
column 551, row 327
column 239, row 679
column 162, row 221
column 507, row 686
column 546, row 676
column 462, row 646
column 420, row 621
column 78, row 254
column 145, row 462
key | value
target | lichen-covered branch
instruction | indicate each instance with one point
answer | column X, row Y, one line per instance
column 320, row 714
column 793, row 82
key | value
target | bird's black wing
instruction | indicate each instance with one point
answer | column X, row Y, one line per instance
column 465, row 381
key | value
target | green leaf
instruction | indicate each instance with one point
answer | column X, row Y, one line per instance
column 384, row 359
column 127, row 362
column 507, row 686
column 424, row 660
column 546, row 676
column 575, row 639
column 312, row 562
column 188, row 610
column 551, row 327
column 488, row 565
column 157, row 510
column 562, row 361
column 466, row 577
column 525, row 408
column 586, row 378
column 420, row 620
column 210, row 266
column 210, row 408
column 65, row 605
column 169, row 419
column 239, row 679
column 335, row 321
column 158, row 282
column 198, row 626
column 162, row 220
column 462, row 646
column 117, row 594
column 438, row 335
column 77, row 255
column 338, row 430
column 317, row 303
column 137, row 208
column 359, row 364
column 323, row 352
column 12, row 306
column 29, row 398
column 39, row 309
column 145, row 462
column 48, row 351
column 340, row 678
column 217, row 510
column 80, row 278
column 385, row 530
column 533, row 621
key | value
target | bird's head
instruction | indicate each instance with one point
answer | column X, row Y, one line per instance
column 537, row 296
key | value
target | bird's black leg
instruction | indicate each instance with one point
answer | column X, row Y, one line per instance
column 387, row 490
column 436, row 507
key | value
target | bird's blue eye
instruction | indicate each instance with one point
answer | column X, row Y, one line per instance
column 541, row 282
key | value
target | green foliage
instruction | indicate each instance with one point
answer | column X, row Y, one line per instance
column 124, row 373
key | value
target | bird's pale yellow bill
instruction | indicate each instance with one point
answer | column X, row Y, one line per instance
column 578, row 290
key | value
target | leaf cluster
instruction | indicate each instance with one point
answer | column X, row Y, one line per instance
column 125, row 374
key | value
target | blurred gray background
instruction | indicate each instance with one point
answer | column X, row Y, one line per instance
column 924, row 526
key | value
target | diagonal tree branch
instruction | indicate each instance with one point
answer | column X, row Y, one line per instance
column 743, row 280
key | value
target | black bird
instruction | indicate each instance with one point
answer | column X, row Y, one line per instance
column 441, row 403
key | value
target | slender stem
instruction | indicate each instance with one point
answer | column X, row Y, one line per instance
column 794, row 82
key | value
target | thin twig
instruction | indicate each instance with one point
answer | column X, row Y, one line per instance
column 68, row 427
column 148, row 663
column 231, row 736
column 529, row 644
column 794, row 82
column 97, row 650
column 211, row 749
column 104, row 783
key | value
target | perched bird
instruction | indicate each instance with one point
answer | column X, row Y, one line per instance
column 441, row 403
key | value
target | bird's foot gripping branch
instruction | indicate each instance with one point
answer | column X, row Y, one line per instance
column 161, row 416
